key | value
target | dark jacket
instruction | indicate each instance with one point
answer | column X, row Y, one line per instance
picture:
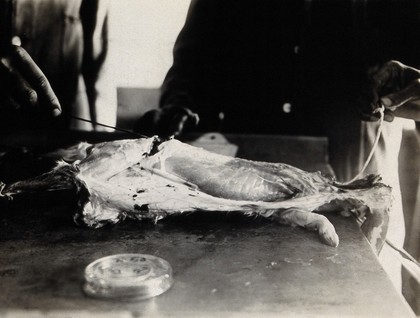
column 250, row 62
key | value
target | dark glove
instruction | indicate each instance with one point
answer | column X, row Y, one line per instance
column 393, row 85
column 369, row 100
column 165, row 122
column 367, row 109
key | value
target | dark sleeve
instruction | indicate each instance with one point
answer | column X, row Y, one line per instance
column 192, row 56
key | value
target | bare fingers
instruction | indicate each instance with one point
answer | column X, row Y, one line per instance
column 26, row 84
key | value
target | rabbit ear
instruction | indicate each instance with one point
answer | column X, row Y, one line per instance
column 58, row 179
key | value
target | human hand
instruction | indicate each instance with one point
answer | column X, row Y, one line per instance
column 166, row 122
column 396, row 87
column 23, row 86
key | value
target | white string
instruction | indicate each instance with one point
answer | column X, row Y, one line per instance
column 408, row 261
column 381, row 111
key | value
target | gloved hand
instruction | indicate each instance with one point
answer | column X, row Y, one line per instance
column 397, row 87
column 23, row 86
column 166, row 121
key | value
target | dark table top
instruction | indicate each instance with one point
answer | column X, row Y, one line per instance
column 223, row 265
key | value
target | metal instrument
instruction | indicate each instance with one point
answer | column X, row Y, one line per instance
column 109, row 126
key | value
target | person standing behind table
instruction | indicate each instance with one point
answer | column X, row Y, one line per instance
column 232, row 70
column 68, row 42
column 292, row 67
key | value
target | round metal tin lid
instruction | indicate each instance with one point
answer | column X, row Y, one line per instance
column 128, row 276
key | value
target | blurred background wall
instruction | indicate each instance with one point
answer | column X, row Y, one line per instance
column 142, row 35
